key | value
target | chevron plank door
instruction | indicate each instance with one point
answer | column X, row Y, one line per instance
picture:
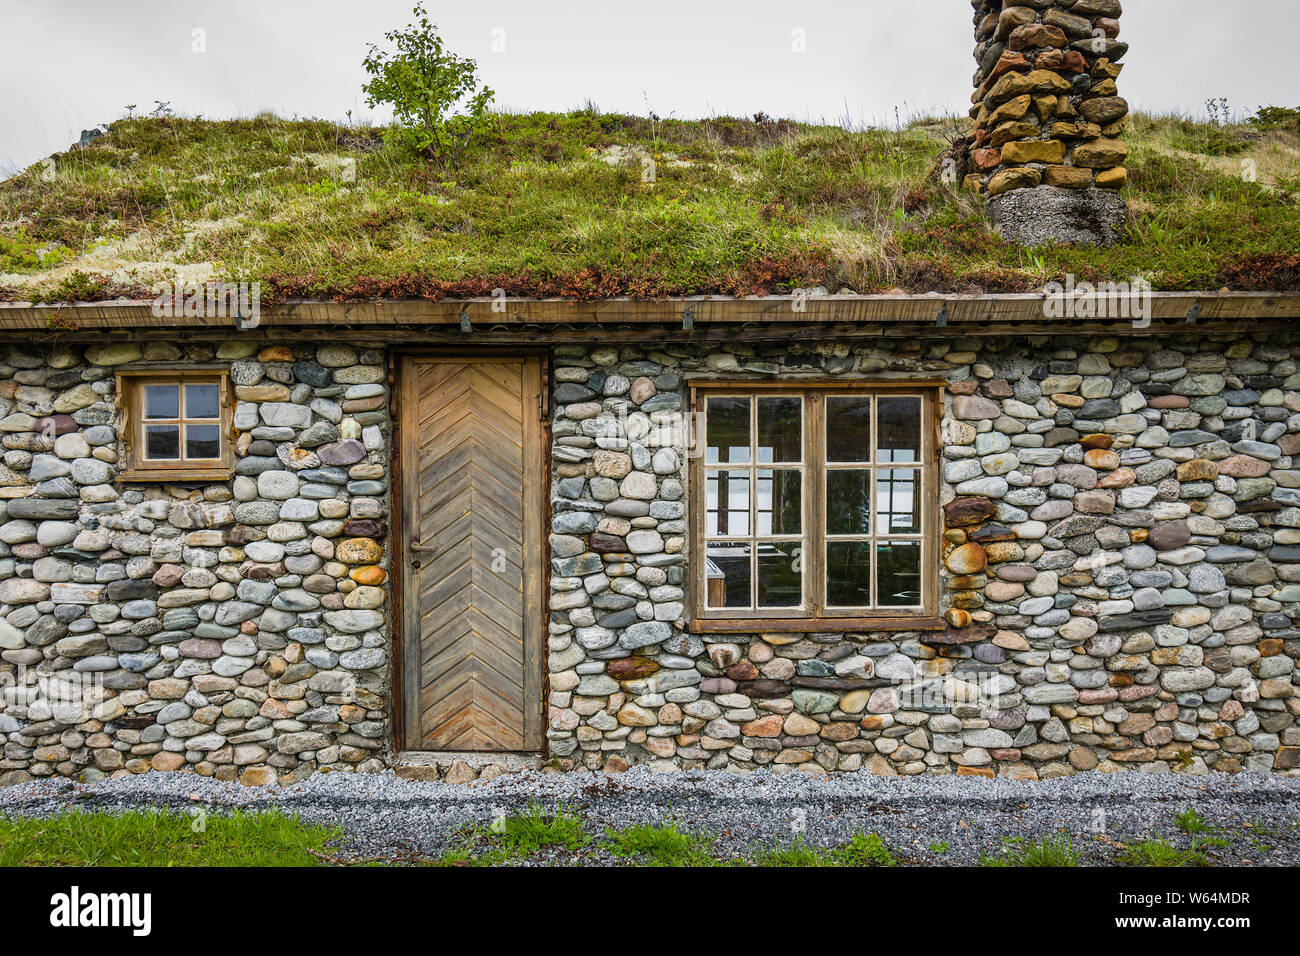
column 473, row 490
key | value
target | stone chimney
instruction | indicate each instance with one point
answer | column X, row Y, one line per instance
column 1045, row 148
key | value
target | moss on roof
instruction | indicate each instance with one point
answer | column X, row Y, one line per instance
column 596, row 205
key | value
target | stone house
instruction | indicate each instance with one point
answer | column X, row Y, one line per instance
column 1025, row 548
column 905, row 533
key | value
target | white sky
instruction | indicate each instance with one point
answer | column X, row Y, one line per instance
column 66, row 65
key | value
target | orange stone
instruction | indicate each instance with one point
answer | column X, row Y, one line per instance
column 1096, row 440
column 1119, row 478
column 767, row 727
column 275, row 353
column 968, row 559
column 369, row 575
column 956, row 617
column 166, row 760
column 1101, row 459
column 976, row 772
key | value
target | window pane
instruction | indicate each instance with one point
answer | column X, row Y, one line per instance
column 160, row 401
column 727, row 574
column 162, row 441
column 202, row 441
column 728, row 430
column 780, row 578
column 848, row 501
column 848, row 573
column 202, row 401
column 899, row 422
column 899, row 564
column 780, row 429
column 779, row 502
column 727, row 510
column 898, row 502
column 848, row 428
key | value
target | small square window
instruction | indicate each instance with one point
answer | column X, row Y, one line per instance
column 176, row 426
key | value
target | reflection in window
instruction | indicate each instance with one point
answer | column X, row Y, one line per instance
column 899, row 574
column 848, row 428
column 780, row 429
column 748, row 497
column 728, row 431
column 779, row 502
column 898, row 508
column 728, row 575
column 899, row 423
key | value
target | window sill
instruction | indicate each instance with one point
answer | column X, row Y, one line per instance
column 778, row 625
column 176, row 475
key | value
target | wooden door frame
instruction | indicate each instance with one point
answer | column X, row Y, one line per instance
column 399, row 537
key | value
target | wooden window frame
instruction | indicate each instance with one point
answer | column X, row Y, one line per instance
column 815, row 615
column 130, row 397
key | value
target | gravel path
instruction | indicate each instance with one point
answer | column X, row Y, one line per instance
column 383, row 815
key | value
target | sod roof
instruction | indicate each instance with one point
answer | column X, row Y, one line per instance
column 587, row 205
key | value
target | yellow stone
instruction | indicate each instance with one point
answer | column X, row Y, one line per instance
column 855, row 701
column 262, row 393
column 364, row 598
column 797, row 725
column 1034, row 151
column 1067, row 177
column 1010, row 110
column 1116, row 178
column 358, row 551
column 1101, row 153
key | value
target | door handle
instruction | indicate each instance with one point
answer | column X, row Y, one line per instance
column 417, row 549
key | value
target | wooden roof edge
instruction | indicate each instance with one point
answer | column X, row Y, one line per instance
column 932, row 308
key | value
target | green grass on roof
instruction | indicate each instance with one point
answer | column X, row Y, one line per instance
column 559, row 205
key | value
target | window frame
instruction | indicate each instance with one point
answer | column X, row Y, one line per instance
column 130, row 397
column 816, row 614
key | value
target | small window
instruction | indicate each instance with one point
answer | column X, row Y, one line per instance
column 813, row 507
column 177, row 426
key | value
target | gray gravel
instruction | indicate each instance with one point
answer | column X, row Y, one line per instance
column 386, row 816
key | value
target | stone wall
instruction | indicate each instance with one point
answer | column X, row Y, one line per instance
column 1121, row 580
column 1048, row 117
column 1121, row 573
column 235, row 628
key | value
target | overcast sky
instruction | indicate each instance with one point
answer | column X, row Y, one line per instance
column 67, row 65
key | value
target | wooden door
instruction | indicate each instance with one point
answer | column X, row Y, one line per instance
column 473, row 487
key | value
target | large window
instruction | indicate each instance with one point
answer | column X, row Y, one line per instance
column 177, row 426
column 813, row 507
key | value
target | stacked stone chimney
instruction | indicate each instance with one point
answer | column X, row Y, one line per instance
column 1048, row 117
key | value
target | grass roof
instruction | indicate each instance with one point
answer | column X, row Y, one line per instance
column 592, row 205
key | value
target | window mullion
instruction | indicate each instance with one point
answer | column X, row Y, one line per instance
column 815, row 509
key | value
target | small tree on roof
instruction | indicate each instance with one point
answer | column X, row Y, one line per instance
column 425, row 84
